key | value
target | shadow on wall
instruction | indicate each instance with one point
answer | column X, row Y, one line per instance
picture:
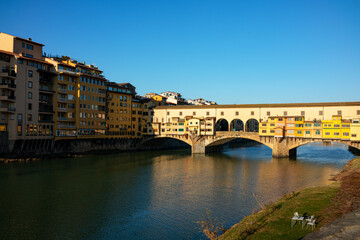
column 164, row 143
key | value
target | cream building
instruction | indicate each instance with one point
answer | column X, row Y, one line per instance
column 250, row 114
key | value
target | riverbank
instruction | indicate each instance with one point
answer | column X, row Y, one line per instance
column 327, row 203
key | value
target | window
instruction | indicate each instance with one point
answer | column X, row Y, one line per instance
column 28, row 55
column 236, row 113
column 307, row 132
column 30, row 84
column 29, row 46
column 267, row 113
column 207, row 113
column 285, row 113
column 252, row 113
column 30, row 95
column 29, row 106
column 346, row 134
column 19, row 117
column 29, row 117
column 302, row 113
column 317, row 132
column 290, row 131
column 222, row 113
column 336, row 125
column 30, row 73
column 358, row 112
column 272, row 131
column 194, row 113
column 168, row 113
column 23, row 45
column 180, row 113
column 336, row 134
column 263, row 131
column 321, row 113
column 299, row 132
column 339, row 112
column 19, row 130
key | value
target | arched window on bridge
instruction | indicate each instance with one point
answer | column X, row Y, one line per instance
column 236, row 125
column 222, row 125
column 252, row 125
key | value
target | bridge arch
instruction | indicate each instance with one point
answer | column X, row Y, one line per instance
column 236, row 125
column 222, row 125
column 252, row 125
column 159, row 141
column 224, row 140
column 297, row 144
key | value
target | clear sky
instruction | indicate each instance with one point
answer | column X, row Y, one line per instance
column 225, row 51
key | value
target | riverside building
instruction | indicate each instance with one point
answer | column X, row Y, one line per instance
column 118, row 113
column 80, row 99
column 26, row 93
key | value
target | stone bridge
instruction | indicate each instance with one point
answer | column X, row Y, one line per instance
column 281, row 146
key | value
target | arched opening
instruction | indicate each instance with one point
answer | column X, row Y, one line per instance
column 233, row 143
column 252, row 125
column 222, row 125
column 330, row 152
column 162, row 143
column 236, row 125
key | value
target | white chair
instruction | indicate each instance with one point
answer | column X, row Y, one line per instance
column 309, row 219
column 311, row 223
column 296, row 218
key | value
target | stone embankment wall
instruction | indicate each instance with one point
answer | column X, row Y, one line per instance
column 40, row 148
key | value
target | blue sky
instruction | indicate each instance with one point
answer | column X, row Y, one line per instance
column 226, row 51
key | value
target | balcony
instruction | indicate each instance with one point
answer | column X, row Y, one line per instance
column 8, row 74
column 62, row 109
column 8, row 85
column 46, row 89
column 51, row 73
column 62, row 118
column 65, row 126
column 46, row 109
column 8, row 98
column 62, row 90
column 7, row 109
column 62, row 100
column 67, row 71
column 46, row 121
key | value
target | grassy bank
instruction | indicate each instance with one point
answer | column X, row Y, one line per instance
column 326, row 203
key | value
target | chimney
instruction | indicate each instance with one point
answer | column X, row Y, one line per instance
column 29, row 39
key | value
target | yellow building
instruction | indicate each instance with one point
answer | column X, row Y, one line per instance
column 119, row 109
column 332, row 128
column 355, row 130
column 80, row 99
column 140, row 116
column 299, row 126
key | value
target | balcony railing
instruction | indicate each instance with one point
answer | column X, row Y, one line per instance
column 62, row 90
column 48, row 109
column 62, row 118
column 65, row 126
column 7, row 73
column 45, row 88
column 62, row 109
column 62, row 99
column 8, row 85
column 46, row 121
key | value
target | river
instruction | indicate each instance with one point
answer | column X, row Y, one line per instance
column 151, row 195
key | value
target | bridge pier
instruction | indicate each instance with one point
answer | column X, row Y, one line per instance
column 281, row 149
column 198, row 147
